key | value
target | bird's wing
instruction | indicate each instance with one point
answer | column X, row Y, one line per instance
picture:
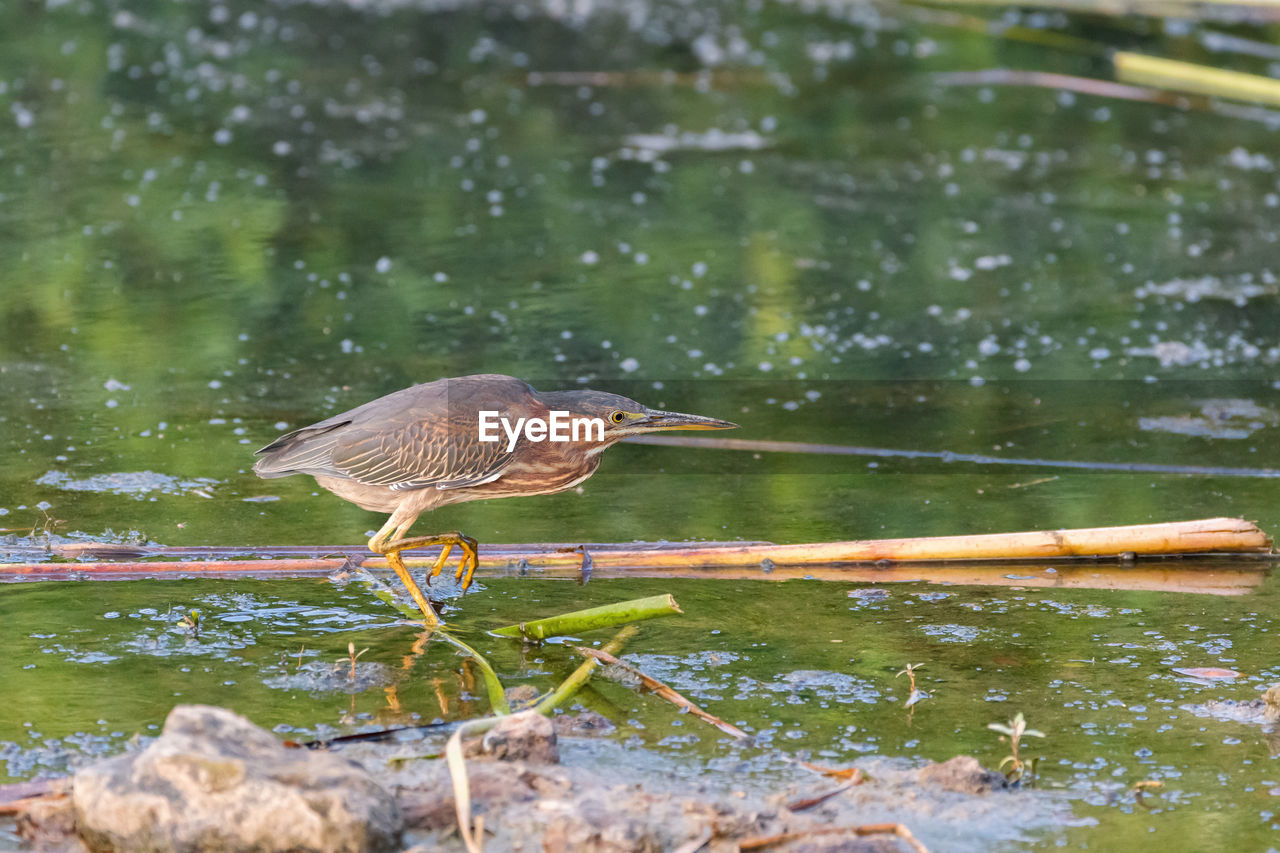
column 430, row 436
column 420, row 437
column 419, row 454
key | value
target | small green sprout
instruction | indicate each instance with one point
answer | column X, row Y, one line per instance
column 915, row 695
column 1016, row 731
column 191, row 621
column 352, row 656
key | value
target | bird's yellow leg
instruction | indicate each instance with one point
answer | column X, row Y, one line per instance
column 384, row 542
column 466, row 566
column 379, row 544
column 429, row 616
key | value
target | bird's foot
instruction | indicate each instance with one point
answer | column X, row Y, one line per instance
column 448, row 541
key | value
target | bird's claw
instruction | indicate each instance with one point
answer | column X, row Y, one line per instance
column 466, row 566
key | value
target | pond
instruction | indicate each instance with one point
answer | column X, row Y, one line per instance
column 220, row 221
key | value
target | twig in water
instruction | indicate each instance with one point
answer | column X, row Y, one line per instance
column 379, row 736
column 810, row 802
column 665, row 692
column 898, row 829
column 580, row 675
column 1036, row 482
column 17, row 797
column 833, row 772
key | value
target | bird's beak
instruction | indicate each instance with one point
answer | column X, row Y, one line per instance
column 662, row 421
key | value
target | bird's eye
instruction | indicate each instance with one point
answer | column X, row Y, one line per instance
column 618, row 417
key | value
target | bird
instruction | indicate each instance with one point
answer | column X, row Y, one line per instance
column 460, row 439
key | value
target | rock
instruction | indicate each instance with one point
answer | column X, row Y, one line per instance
column 49, row 823
column 551, row 808
column 521, row 695
column 607, row 808
column 526, row 736
column 582, row 724
column 591, row 826
column 964, row 775
column 215, row 781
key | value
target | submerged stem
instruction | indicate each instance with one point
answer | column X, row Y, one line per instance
column 579, row 677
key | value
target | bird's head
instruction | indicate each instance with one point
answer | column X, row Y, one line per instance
column 623, row 416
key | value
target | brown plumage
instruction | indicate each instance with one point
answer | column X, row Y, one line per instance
column 420, row 448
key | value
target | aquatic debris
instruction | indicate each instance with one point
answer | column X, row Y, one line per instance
column 1141, row 787
column 1234, row 289
column 473, row 834
column 1218, row 418
column 898, row 829
column 191, row 621
column 664, row 692
column 712, row 140
column 570, row 686
column 809, row 802
column 468, row 830
column 319, row 677
column 1265, row 710
column 138, row 484
column 953, row 633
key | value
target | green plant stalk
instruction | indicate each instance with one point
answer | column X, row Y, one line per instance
column 595, row 617
column 579, row 677
column 497, row 696
column 1181, row 76
column 385, row 594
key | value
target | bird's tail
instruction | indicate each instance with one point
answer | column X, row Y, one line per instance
column 304, row 451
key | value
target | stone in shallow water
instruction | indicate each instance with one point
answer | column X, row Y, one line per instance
column 215, row 781
column 526, row 736
column 963, row 774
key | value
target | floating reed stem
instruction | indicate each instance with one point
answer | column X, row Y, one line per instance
column 605, row 616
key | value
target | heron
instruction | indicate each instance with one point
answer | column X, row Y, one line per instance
column 460, row 439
